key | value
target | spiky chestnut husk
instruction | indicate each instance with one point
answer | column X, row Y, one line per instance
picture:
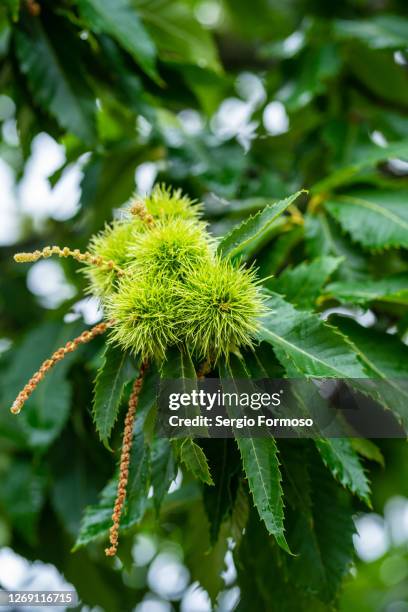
column 221, row 308
column 142, row 309
column 170, row 247
column 165, row 203
column 175, row 289
column 213, row 308
column 112, row 244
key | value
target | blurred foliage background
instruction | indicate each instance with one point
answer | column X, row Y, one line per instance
column 239, row 103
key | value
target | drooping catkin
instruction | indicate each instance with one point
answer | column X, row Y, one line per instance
column 70, row 346
column 86, row 257
column 124, row 463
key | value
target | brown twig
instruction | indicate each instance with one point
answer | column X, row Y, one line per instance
column 124, row 463
column 70, row 346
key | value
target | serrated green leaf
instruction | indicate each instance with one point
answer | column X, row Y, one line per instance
column 205, row 561
column 239, row 514
column 263, row 363
column 261, row 465
column 339, row 456
column 139, row 470
column 334, row 524
column 385, row 358
column 219, row 500
column 393, row 289
column 244, row 239
column 302, row 340
column 257, row 559
column 302, row 285
column 109, row 385
column 97, row 519
column 337, row 453
column 324, row 237
column 120, row 20
column 384, row 354
column 179, row 366
column 148, row 395
column 193, row 457
column 163, row 469
column 367, row 449
column 320, row 524
column 377, row 219
column 273, row 257
column 49, row 66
